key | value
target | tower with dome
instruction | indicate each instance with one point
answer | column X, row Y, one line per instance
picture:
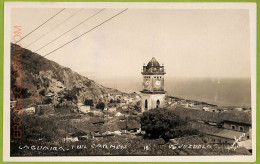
column 153, row 94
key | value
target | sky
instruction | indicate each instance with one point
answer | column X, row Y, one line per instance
column 197, row 43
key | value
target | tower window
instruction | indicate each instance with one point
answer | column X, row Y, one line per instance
column 157, row 103
column 145, row 104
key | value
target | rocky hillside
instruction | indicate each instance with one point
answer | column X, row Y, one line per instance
column 43, row 79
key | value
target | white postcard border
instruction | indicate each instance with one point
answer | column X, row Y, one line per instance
column 140, row 5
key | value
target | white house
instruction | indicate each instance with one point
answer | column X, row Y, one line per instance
column 205, row 108
column 118, row 114
column 30, row 110
column 84, row 109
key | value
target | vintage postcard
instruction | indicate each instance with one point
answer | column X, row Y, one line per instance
column 130, row 82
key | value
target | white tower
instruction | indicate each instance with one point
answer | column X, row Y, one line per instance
column 153, row 94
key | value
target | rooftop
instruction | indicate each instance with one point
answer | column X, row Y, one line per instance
column 153, row 63
column 153, row 67
column 230, row 134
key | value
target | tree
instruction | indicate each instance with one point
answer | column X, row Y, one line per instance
column 42, row 92
column 71, row 95
column 112, row 101
column 100, row 105
column 47, row 100
column 165, row 124
column 25, row 93
column 88, row 102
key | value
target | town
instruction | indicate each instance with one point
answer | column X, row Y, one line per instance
column 116, row 117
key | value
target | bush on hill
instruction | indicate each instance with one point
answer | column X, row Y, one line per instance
column 165, row 124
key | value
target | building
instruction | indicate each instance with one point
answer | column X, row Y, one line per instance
column 153, row 94
column 225, row 136
column 238, row 121
column 30, row 110
column 84, row 109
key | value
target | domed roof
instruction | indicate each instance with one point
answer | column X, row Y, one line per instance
column 153, row 63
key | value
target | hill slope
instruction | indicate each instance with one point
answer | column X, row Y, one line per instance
column 43, row 78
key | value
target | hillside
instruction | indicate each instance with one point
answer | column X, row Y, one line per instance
column 43, row 78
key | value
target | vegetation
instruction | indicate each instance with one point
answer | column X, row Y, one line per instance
column 100, row 105
column 51, row 130
column 70, row 95
column 42, row 92
column 165, row 124
column 88, row 102
column 114, row 101
column 47, row 100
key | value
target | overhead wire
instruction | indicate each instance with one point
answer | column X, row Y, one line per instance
column 85, row 33
column 69, row 30
column 42, row 24
column 53, row 28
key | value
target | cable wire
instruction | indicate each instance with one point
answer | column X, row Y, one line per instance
column 69, row 30
column 42, row 24
column 53, row 28
column 85, row 33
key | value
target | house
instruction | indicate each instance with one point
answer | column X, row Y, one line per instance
column 237, row 121
column 214, row 110
column 122, row 118
column 224, row 136
column 44, row 108
column 70, row 139
column 84, row 109
column 133, row 125
column 112, row 109
column 190, row 105
column 118, row 96
column 13, row 104
column 199, row 116
column 118, row 114
column 117, row 132
column 205, row 108
column 80, row 104
column 50, row 94
column 98, row 113
column 97, row 121
column 128, row 100
column 239, row 109
column 90, row 127
column 30, row 110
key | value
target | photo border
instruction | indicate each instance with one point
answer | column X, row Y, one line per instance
column 2, row 67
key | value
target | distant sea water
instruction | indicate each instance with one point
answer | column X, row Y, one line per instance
column 222, row 92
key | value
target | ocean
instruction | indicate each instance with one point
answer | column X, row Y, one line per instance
column 219, row 91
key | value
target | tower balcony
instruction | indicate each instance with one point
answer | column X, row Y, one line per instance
column 153, row 92
column 153, row 70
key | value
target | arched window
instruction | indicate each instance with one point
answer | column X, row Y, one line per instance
column 145, row 104
column 157, row 103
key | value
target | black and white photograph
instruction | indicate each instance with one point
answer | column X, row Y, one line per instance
column 130, row 81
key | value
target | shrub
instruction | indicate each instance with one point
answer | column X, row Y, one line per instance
column 112, row 101
column 47, row 100
column 25, row 93
column 42, row 92
column 100, row 105
column 165, row 124
column 88, row 102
